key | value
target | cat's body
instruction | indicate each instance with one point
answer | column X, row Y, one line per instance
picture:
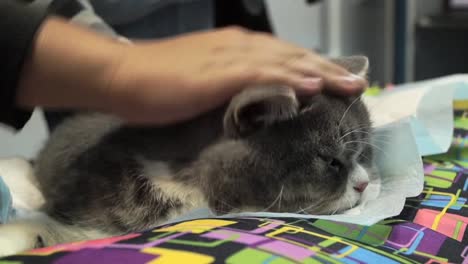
column 267, row 150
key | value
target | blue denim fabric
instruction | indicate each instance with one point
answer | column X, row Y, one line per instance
column 5, row 202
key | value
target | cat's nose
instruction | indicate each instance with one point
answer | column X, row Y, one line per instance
column 360, row 187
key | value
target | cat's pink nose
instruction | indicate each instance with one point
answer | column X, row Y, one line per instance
column 360, row 187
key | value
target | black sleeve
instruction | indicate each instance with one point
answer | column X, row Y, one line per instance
column 18, row 25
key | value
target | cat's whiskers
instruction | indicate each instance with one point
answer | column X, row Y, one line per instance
column 374, row 138
column 222, row 212
column 278, row 198
column 349, row 201
column 370, row 133
column 367, row 143
column 336, row 209
column 363, row 142
column 361, row 126
column 381, row 141
column 359, row 153
column 225, row 203
column 281, row 197
column 347, row 110
column 300, row 211
column 309, row 207
column 357, row 130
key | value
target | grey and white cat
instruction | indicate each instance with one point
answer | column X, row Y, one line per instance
column 268, row 149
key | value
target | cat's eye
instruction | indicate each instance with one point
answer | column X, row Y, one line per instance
column 335, row 165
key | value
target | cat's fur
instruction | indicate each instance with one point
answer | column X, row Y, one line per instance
column 267, row 150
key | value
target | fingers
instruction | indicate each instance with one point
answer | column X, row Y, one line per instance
column 308, row 64
column 240, row 76
column 338, row 80
column 303, row 85
column 347, row 85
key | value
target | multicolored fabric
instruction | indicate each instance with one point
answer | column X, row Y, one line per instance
column 431, row 229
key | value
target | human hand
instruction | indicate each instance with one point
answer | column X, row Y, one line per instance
column 175, row 79
column 164, row 81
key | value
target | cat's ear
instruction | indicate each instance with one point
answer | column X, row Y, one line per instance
column 258, row 107
column 358, row 65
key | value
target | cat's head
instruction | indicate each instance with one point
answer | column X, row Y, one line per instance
column 286, row 153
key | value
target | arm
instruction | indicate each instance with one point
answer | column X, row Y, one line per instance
column 71, row 67
column 18, row 25
column 68, row 68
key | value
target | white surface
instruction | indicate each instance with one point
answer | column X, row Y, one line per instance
column 25, row 143
column 427, row 105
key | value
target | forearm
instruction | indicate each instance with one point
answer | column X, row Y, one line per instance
column 69, row 67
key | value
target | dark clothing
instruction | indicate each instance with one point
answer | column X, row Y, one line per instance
column 19, row 23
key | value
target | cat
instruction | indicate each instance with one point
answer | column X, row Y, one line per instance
column 268, row 149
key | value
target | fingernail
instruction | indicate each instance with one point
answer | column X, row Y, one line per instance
column 312, row 83
column 352, row 81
